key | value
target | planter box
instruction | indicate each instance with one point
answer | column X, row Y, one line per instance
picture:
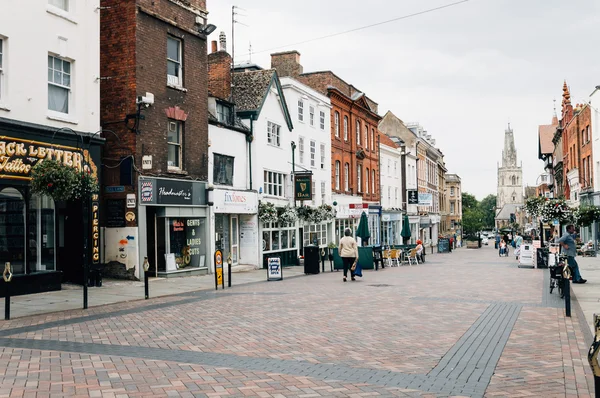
column 472, row 244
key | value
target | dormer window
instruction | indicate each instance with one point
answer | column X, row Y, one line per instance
column 224, row 113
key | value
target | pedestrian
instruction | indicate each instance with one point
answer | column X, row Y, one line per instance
column 568, row 243
column 348, row 252
column 502, row 251
column 419, row 248
column 451, row 243
column 497, row 246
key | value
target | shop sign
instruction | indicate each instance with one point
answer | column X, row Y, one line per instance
column 147, row 162
column 235, row 202
column 162, row 191
column 303, row 186
column 413, row 197
column 131, row 201
column 18, row 157
column 219, row 270
column 95, row 230
column 130, row 216
column 114, row 188
column 274, row 271
column 425, row 199
column 115, row 213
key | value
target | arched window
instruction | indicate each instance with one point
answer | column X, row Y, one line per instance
column 337, row 175
column 358, row 142
column 358, row 178
column 366, row 137
column 346, row 177
column 373, row 182
column 514, row 180
column 367, row 180
column 345, row 128
column 336, row 122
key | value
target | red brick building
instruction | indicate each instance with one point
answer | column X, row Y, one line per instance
column 154, row 101
column 354, row 133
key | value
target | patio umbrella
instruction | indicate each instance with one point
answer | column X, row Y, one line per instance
column 363, row 229
column 405, row 233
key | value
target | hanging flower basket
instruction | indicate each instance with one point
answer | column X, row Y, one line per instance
column 586, row 215
column 267, row 213
column 288, row 215
column 327, row 212
column 305, row 213
column 534, row 205
column 52, row 178
column 556, row 209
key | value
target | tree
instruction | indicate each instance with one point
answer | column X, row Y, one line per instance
column 468, row 201
column 472, row 221
column 488, row 209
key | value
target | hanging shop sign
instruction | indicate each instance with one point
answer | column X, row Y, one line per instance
column 425, row 199
column 163, row 191
column 303, row 186
column 17, row 157
column 95, row 230
column 413, row 197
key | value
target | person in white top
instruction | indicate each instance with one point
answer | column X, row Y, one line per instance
column 348, row 252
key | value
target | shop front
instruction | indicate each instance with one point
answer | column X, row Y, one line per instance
column 173, row 226
column 391, row 227
column 42, row 239
column 347, row 216
column 236, row 225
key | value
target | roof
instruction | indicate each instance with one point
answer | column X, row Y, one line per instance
column 507, row 210
column 546, row 133
column 239, row 125
column 385, row 140
column 252, row 89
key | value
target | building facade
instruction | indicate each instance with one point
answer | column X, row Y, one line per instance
column 154, row 102
column 354, row 144
column 391, row 191
column 454, row 205
column 49, row 104
column 509, row 198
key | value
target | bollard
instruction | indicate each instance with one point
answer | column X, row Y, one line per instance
column 228, row 271
column 146, row 287
column 322, row 260
column 567, row 289
column 7, row 279
column 593, row 355
column 219, row 269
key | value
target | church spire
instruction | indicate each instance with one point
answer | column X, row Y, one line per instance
column 509, row 154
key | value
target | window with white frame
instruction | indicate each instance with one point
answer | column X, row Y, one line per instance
column 278, row 236
column 301, row 110
column 396, row 169
column 311, row 115
column 373, row 139
column 224, row 113
column 358, row 178
column 451, row 191
column 62, row 4
column 313, row 189
column 174, row 75
column 345, row 128
column 274, row 183
column 389, row 195
column 367, row 180
column 315, row 234
column 273, row 134
column 346, row 177
column 322, row 119
column 323, row 187
column 373, row 182
column 366, row 137
column 59, row 84
column 452, row 207
column 358, row 141
column 313, row 153
column 337, row 175
column 174, row 144
column 301, row 149
column 2, row 56
column 223, row 169
column 322, row 156
column 337, row 123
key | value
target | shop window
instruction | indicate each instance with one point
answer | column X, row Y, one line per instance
column 315, row 234
column 12, row 229
column 223, row 169
column 186, row 243
column 277, row 237
column 341, row 225
column 41, row 243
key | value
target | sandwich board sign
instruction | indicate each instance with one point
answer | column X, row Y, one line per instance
column 274, row 271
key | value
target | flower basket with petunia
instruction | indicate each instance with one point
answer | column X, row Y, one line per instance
column 534, row 205
column 556, row 209
column 586, row 215
column 327, row 212
column 287, row 215
column 267, row 213
column 54, row 179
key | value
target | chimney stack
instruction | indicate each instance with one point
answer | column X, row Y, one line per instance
column 287, row 63
column 213, row 46
column 222, row 41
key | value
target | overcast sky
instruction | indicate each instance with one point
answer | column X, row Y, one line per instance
column 462, row 72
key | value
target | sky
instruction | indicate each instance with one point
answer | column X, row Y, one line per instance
column 462, row 72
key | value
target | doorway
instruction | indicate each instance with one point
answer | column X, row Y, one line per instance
column 235, row 242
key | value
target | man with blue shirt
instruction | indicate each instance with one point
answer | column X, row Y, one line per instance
column 570, row 249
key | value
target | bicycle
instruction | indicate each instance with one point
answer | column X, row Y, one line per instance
column 559, row 273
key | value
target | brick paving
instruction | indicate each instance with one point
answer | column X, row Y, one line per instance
column 463, row 324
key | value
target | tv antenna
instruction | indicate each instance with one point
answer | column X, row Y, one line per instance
column 234, row 21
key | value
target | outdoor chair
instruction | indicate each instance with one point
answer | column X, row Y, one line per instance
column 412, row 257
column 395, row 257
column 387, row 257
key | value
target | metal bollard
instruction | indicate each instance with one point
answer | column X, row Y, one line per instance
column 322, row 260
column 567, row 289
column 228, row 270
column 7, row 276
column 593, row 355
column 146, row 287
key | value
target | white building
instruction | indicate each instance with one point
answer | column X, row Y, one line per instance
column 595, row 126
column 390, row 171
column 310, row 111
column 49, row 108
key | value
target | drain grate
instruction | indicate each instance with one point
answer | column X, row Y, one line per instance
column 380, row 285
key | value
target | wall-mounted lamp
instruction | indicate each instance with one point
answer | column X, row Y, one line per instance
column 210, row 195
column 206, row 29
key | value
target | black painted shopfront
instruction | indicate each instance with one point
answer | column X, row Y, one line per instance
column 42, row 239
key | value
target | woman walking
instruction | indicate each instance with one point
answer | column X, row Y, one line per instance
column 348, row 252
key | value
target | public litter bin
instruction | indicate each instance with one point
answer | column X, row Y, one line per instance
column 311, row 259
column 378, row 257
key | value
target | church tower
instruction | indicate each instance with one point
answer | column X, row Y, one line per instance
column 510, row 175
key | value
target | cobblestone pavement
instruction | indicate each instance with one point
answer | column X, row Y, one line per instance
column 464, row 324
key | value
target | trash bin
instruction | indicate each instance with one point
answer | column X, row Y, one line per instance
column 378, row 256
column 311, row 259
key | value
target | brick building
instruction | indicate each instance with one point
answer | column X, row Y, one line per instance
column 354, row 142
column 154, row 102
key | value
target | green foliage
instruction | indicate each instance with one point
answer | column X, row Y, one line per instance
column 488, row 209
column 586, row 215
column 60, row 182
column 472, row 221
column 468, row 201
column 267, row 213
column 556, row 209
column 534, row 205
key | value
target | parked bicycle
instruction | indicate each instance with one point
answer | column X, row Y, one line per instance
column 559, row 273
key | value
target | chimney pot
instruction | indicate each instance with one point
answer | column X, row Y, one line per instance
column 214, row 46
column 223, row 41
